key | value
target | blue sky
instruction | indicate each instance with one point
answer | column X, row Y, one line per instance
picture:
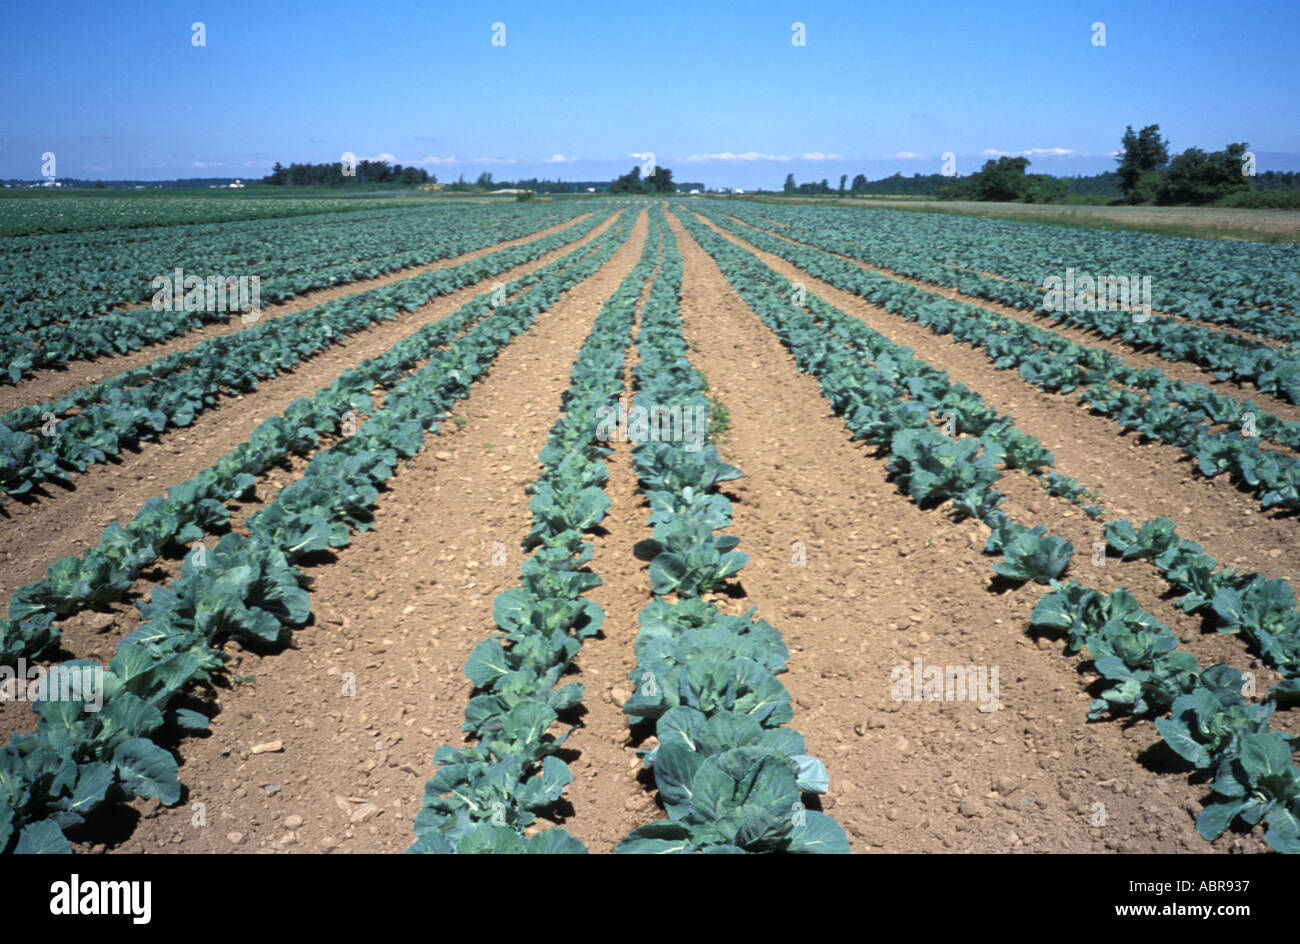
column 718, row 92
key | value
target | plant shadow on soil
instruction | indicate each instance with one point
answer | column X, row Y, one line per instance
column 66, row 483
column 1159, row 757
column 39, row 493
column 111, row 823
column 561, row 811
column 1187, row 459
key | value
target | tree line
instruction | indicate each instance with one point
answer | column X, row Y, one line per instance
column 1146, row 174
column 331, row 175
column 371, row 172
column 631, row 182
column 661, row 181
column 1149, row 175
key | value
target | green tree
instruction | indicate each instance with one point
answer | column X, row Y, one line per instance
column 1043, row 188
column 789, row 184
column 1001, row 180
column 859, row 183
column 628, row 183
column 1197, row 177
column 1147, row 188
column 661, row 181
column 843, row 179
column 1140, row 153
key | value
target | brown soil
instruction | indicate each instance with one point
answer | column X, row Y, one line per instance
column 608, row 799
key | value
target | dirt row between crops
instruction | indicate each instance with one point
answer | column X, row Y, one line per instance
column 1137, row 480
column 1132, row 356
column 42, row 386
column 882, row 584
column 396, row 614
column 63, row 522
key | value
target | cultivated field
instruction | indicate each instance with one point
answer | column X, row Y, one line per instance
column 1216, row 222
column 643, row 525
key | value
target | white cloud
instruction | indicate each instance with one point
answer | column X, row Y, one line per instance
column 903, row 156
column 642, row 155
column 760, row 156
column 559, row 159
column 381, row 156
column 728, row 156
column 492, row 160
column 437, row 160
column 1029, row 152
